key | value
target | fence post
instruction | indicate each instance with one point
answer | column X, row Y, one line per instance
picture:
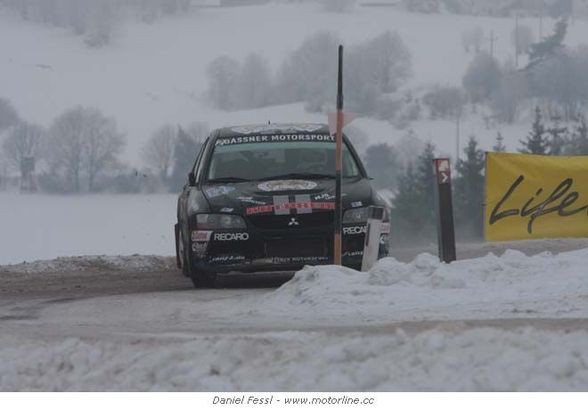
column 371, row 246
column 444, row 210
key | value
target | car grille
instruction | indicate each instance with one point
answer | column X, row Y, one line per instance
column 294, row 247
column 294, row 221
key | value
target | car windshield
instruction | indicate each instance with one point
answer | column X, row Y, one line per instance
column 268, row 160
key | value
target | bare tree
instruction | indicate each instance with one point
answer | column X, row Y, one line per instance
column 82, row 144
column 222, row 74
column 8, row 115
column 507, row 98
column 102, row 145
column 253, row 88
column 65, row 147
column 159, row 150
column 22, row 142
column 306, row 75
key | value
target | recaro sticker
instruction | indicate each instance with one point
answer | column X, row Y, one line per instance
column 231, row 236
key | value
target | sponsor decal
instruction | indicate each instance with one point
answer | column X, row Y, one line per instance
column 227, row 259
column 199, row 248
column 385, row 229
column 327, row 196
column 299, row 259
column 287, row 185
column 227, row 210
column 352, row 254
column 272, row 128
column 252, row 139
column 231, row 236
column 250, row 200
column 201, row 236
column 535, row 197
column 276, row 208
column 357, row 204
column 355, row 230
column 213, row 192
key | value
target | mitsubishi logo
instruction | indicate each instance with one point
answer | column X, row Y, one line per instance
column 293, row 222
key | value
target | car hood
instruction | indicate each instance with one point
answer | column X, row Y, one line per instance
column 265, row 197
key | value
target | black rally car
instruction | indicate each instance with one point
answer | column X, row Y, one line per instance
column 261, row 199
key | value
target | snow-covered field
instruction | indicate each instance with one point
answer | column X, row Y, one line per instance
column 34, row 227
column 493, row 323
column 155, row 74
column 509, row 322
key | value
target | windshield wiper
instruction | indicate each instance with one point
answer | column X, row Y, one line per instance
column 300, row 175
column 225, row 180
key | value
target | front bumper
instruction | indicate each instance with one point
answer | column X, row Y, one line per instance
column 255, row 251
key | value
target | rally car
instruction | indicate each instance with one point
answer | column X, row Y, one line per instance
column 262, row 199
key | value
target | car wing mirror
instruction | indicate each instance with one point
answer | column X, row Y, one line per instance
column 191, row 179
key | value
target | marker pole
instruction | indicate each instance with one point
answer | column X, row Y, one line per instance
column 444, row 210
column 339, row 164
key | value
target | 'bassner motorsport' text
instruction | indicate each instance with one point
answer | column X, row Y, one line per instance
column 251, row 139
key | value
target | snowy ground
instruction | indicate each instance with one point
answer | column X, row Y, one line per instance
column 492, row 323
column 34, row 227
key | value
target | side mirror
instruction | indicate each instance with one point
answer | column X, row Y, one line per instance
column 191, row 179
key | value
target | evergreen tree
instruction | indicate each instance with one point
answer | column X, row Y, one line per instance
column 499, row 145
column 536, row 142
column 557, row 137
column 469, row 190
column 549, row 46
column 579, row 138
column 412, row 208
column 382, row 165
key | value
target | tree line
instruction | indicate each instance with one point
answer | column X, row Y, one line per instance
column 81, row 152
column 374, row 70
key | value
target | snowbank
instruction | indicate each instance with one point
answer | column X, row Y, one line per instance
column 482, row 359
column 133, row 263
column 488, row 286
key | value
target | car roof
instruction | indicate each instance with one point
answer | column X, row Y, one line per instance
column 271, row 129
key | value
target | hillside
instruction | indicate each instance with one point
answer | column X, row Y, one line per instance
column 154, row 74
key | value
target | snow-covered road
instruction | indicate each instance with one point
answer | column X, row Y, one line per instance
column 509, row 322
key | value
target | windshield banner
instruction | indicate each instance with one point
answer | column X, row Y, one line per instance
column 252, row 139
column 533, row 197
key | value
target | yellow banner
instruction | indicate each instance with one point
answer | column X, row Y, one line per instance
column 533, row 197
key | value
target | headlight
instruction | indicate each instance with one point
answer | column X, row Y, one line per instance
column 358, row 215
column 220, row 221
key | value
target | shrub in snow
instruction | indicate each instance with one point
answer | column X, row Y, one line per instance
column 445, row 102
